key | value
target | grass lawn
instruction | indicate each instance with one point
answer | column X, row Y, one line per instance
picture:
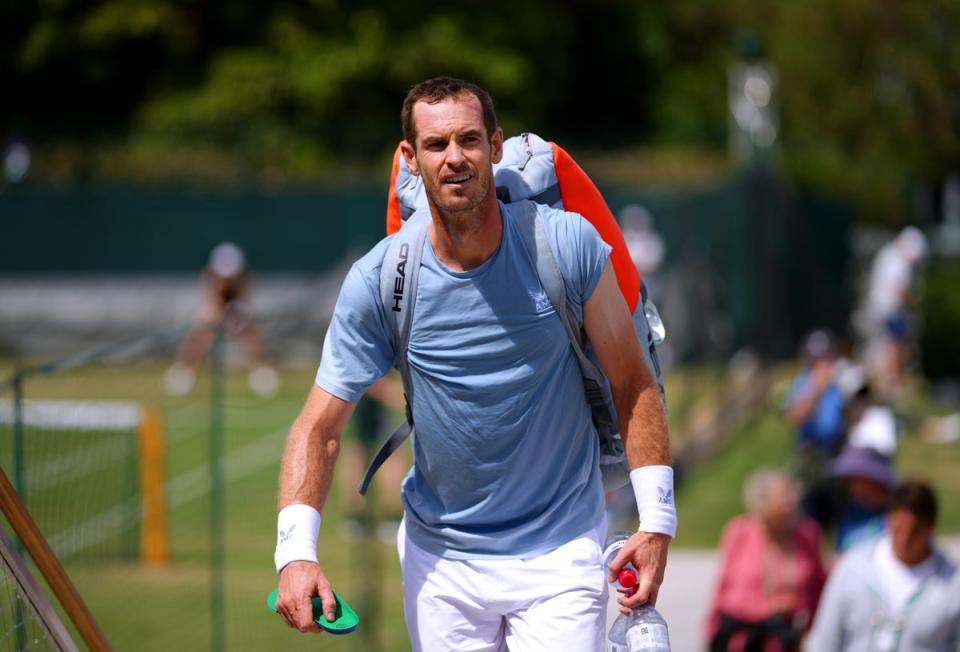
column 712, row 492
column 146, row 609
column 153, row 609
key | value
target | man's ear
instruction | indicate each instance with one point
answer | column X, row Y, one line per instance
column 496, row 143
column 410, row 156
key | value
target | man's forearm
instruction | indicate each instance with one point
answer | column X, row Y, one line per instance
column 306, row 474
column 305, row 477
column 648, row 455
column 643, row 423
column 312, row 448
column 308, row 463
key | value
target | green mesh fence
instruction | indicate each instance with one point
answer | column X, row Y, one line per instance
column 81, row 477
column 27, row 619
column 72, row 443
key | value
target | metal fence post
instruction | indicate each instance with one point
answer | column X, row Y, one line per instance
column 217, row 507
column 19, row 481
column 18, row 473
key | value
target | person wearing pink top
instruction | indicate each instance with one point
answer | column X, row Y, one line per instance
column 771, row 572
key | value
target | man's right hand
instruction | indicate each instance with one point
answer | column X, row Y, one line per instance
column 299, row 582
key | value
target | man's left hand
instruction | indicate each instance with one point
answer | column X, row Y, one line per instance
column 648, row 553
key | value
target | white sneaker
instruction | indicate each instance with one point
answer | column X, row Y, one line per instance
column 179, row 380
column 264, row 381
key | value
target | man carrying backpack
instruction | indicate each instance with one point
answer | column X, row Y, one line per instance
column 503, row 510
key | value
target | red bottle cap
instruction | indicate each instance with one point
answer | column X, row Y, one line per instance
column 627, row 578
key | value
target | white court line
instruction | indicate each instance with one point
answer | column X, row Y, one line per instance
column 238, row 463
column 184, row 488
column 94, row 530
column 75, row 415
column 82, row 462
column 75, row 465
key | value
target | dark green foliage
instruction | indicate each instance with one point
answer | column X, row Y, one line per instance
column 940, row 324
column 867, row 92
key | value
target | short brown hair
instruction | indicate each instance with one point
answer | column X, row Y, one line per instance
column 917, row 498
column 437, row 90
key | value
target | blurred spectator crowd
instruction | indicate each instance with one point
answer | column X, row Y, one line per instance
column 836, row 551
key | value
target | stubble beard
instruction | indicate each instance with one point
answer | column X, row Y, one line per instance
column 460, row 216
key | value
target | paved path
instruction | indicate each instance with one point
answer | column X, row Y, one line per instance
column 685, row 596
column 688, row 586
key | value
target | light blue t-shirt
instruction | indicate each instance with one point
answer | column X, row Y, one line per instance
column 506, row 457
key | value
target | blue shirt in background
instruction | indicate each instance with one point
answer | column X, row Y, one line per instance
column 824, row 426
column 859, row 524
column 506, row 457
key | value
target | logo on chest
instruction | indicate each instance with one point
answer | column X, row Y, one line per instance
column 541, row 302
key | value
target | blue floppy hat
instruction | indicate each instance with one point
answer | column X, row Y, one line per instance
column 862, row 462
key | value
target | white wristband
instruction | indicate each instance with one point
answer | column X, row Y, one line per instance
column 297, row 529
column 653, row 489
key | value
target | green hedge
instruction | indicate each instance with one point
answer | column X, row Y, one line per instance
column 940, row 324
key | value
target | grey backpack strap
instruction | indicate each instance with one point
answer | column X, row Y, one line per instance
column 387, row 448
column 399, row 274
column 531, row 227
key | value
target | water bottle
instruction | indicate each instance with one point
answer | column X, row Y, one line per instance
column 657, row 329
column 644, row 629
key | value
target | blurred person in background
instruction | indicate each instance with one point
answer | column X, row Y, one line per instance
column 887, row 315
column 897, row 593
column 771, row 571
column 370, row 421
column 644, row 244
column 871, row 424
column 815, row 408
column 225, row 301
column 867, row 477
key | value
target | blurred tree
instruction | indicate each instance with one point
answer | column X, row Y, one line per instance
column 940, row 319
column 870, row 95
column 691, row 43
column 869, row 92
column 288, row 90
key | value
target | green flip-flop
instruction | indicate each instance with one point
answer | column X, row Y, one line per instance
column 344, row 622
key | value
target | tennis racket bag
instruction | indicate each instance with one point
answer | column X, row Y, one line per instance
column 532, row 171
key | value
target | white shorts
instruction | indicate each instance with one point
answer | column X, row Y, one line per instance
column 555, row 601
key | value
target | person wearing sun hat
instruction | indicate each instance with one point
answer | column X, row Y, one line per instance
column 898, row 592
column 868, row 477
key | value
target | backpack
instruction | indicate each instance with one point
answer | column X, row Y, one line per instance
column 531, row 171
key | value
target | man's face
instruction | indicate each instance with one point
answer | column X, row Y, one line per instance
column 454, row 155
column 909, row 535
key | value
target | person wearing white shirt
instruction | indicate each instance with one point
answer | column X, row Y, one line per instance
column 888, row 308
column 896, row 592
